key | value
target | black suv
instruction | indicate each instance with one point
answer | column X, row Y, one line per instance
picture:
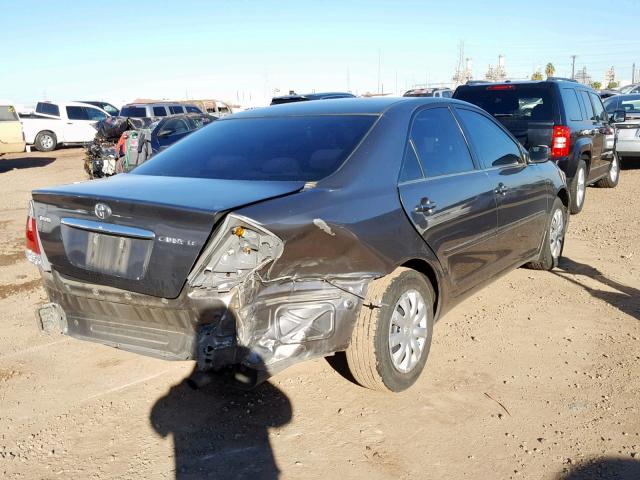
column 562, row 114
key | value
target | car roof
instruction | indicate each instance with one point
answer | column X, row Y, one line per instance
column 340, row 106
column 549, row 81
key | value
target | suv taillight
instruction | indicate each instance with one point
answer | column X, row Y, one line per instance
column 560, row 141
column 33, row 246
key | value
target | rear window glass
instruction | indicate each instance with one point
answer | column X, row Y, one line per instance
column 277, row 148
column 176, row 109
column 571, row 104
column 8, row 114
column 159, row 112
column 191, row 109
column 519, row 102
column 48, row 109
column 135, row 112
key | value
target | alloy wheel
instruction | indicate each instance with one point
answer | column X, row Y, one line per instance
column 614, row 170
column 580, row 187
column 556, row 233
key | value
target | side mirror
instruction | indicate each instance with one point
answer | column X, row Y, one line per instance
column 539, row 154
column 619, row 116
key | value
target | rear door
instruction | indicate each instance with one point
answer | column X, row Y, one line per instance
column 602, row 127
column 521, row 190
column 449, row 199
column 592, row 130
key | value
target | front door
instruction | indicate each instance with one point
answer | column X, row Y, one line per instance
column 522, row 192
column 449, row 200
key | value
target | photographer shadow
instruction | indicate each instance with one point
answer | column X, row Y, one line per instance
column 219, row 431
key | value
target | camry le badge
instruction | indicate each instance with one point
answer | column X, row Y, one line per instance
column 102, row 211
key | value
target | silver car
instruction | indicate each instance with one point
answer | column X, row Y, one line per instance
column 628, row 132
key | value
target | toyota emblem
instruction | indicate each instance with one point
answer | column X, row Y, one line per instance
column 102, row 211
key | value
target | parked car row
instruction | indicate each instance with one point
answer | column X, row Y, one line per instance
column 285, row 233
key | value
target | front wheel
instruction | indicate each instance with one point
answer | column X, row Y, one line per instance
column 553, row 243
column 611, row 180
column 578, row 188
column 392, row 336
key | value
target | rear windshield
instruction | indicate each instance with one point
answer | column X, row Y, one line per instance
column 8, row 114
column 135, row 112
column 531, row 103
column 277, row 148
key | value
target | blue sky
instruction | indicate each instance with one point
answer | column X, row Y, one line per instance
column 245, row 49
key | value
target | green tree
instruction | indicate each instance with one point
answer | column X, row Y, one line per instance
column 537, row 75
column 596, row 85
column 613, row 84
column 549, row 70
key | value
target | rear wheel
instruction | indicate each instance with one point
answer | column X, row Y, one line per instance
column 391, row 339
column 578, row 188
column 45, row 141
column 553, row 240
column 611, row 180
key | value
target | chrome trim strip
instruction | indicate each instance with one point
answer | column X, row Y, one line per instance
column 108, row 228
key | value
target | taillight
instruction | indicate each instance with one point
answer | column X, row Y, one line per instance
column 501, row 87
column 33, row 246
column 560, row 141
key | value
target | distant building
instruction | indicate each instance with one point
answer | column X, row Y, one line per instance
column 497, row 73
column 583, row 77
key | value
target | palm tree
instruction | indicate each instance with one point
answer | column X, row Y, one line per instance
column 549, row 70
column 536, row 75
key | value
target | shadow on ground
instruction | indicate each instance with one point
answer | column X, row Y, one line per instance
column 24, row 162
column 624, row 298
column 604, row 469
column 222, row 432
column 630, row 163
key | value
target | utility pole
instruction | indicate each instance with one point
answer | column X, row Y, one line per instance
column 633, row 73
column 379, row 71
column 348, row 80
column 573, row 67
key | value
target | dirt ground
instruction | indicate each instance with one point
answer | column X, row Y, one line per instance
column 536, row 377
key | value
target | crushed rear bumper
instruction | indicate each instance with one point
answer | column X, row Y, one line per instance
column 264, row 327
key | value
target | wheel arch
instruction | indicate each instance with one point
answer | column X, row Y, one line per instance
column 424, row 267
column 563, row 194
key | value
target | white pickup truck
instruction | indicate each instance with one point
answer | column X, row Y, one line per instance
column 61, row 123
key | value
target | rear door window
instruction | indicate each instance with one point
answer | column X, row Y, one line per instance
column 441, row 148
column 410, row 166
column 159, row 112
column 48, row 109
column 175, row 109
column 8, row 114
column 571, row 104
column 493, row 146
column 587, row 105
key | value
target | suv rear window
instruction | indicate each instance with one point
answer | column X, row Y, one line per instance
column 275, row 148
column 135, row 112
column 8, row 114
column 48, row 109
column 522, row 102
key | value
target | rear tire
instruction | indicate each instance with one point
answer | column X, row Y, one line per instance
column 612, row 178
column 390, row 343
column 578, row 188
column 553, row 243
column 45, row 141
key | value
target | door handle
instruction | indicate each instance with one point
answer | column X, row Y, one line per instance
column 425, row 206
column 501, row 190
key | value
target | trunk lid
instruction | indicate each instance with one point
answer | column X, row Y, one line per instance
column 137, row 232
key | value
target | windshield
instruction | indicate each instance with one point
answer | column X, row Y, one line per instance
column 135, row 112
column 515, row 101
column 304, row 148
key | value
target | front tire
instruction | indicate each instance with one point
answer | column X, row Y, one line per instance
column 46, row 141
column 392, row 336
column 553, row 243
column 578, row 188
column 612, row 178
